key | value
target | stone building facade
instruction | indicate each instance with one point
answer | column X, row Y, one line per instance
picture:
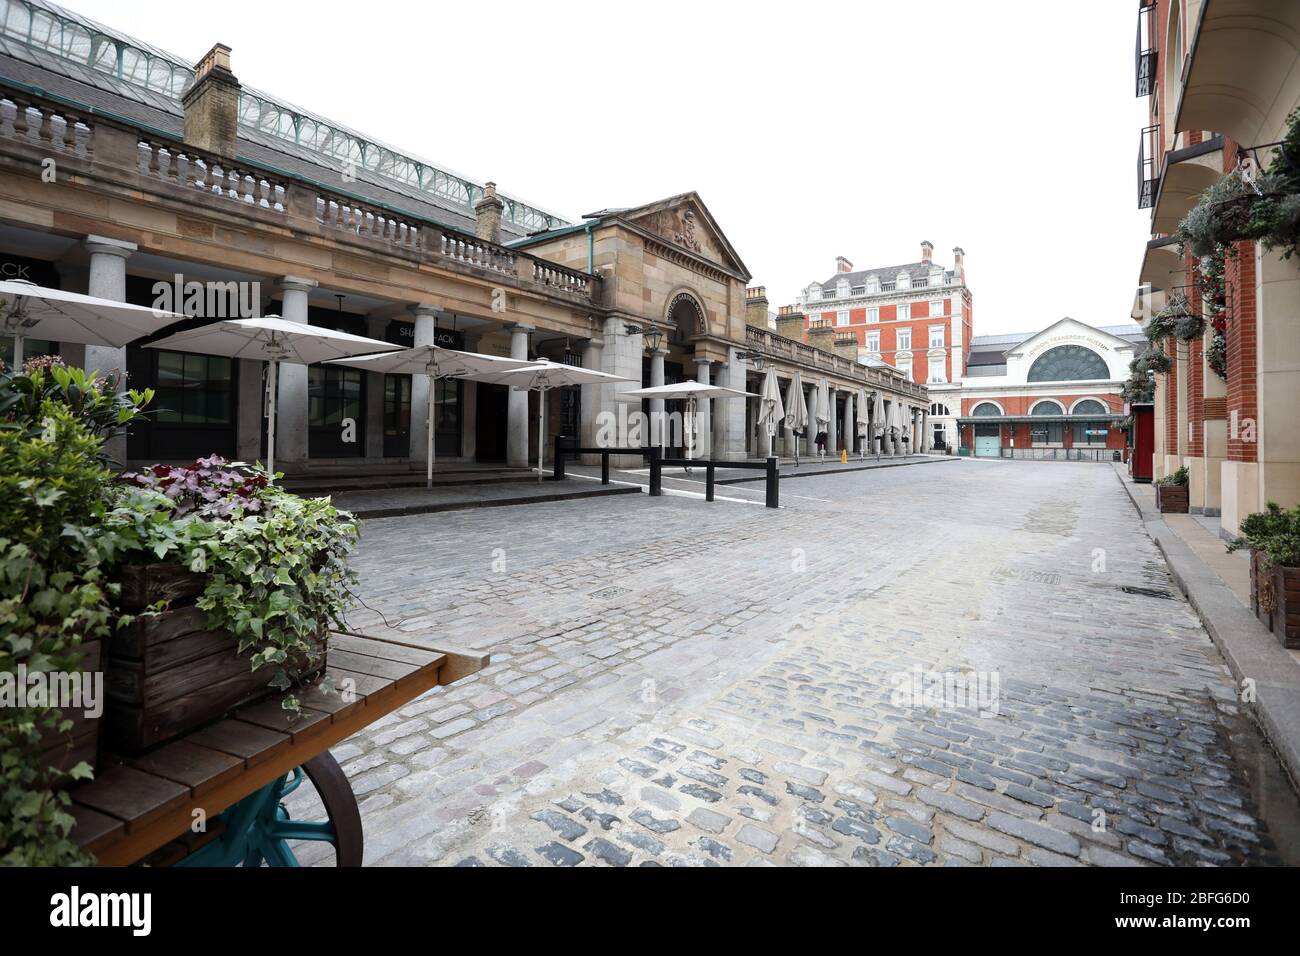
column 167, row 176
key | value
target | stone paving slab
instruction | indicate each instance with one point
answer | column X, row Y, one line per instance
column 682, row 683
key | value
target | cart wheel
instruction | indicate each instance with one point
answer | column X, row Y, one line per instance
column 340, row 802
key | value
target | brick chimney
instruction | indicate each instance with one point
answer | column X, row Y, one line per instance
column 843, row 265
column 487, row 214
column 959, row 263
column 212, row 105
column 756, row 307
column 846, row 345
column 821, row 335
column 927, row 250
column 790, row 323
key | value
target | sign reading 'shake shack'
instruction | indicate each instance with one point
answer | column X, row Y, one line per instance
column 403, row 333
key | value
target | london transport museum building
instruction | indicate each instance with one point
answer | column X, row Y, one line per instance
column 169, row 174
column 1050, row 394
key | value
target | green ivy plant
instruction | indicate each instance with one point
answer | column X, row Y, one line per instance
column 275, row 565
column 53, row 596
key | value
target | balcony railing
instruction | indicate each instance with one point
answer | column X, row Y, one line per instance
column 1147, row 169
column 1145, row 51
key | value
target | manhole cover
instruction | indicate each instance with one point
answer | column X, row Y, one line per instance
column 1146, row 592
column 604, row 594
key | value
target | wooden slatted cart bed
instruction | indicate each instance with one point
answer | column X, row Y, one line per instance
column 233, row 774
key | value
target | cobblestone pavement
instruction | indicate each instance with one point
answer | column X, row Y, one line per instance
column 682, row 683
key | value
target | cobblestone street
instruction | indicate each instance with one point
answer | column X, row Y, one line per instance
column 682, row 683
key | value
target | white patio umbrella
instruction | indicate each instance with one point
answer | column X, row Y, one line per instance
column 30, row 311
column 437, row 363
column 273, row 340
column 863, row 423
column 796, row 410
column 690, row 391
column 878, row 423
column 771, row 409
column 542, row 376
column 822, row 415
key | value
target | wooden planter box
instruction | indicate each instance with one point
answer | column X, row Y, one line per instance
column 80, row 741
column 1275, row 598
column 170, row 672
column 1172, row 499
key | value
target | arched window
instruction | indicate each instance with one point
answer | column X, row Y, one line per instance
column 1047, row 407
column 1068, row 363
column 986, row 410
column 1090, row 406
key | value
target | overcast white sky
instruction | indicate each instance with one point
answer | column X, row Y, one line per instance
column 810, row 129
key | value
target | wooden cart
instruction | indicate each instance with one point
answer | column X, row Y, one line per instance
column 213, row 797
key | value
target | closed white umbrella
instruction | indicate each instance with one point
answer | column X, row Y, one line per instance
column 796, row 410
column 437, row 363
column 878, row 423
column 771, row 410
column 690, row 391
column 863, row 423
column 273, row 340
column 543, row 376
column 822, row 416
column 30, row 311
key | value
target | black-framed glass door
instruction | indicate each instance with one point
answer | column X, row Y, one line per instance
column 397, row 416
column 336, row 411
column 193, row 411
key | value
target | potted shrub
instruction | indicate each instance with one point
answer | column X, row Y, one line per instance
column 1171, row 492
column 1273, row 536
column 234, row 585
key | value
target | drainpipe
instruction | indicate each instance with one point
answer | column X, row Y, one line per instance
column 591, row 246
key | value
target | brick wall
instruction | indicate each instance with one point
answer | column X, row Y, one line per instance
column 1242, row 397
column 1172, row 422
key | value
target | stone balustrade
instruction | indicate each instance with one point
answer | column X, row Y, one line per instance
column 195, row 169
column 792, row 350
column 49, row 128
column 45, row 126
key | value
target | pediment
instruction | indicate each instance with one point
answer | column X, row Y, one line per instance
column 686, row 223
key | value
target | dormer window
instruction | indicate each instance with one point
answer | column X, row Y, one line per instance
column 873, row 284
column 904, row 281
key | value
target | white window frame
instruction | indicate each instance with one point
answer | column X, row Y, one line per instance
column 904, row 340
column 873, row 314
column 842, row 317
column 873, row 341
column 904, row 365
column 939, row 331
column 904, row 312
column 936, row 307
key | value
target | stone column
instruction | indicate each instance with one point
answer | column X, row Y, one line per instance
column 425, row 332
column 620, row 354
column 849, row 427
column 658, row 427
column 291, row 446
column 704, row 412
column 730, row 413
column 833, row 428
column 591, row 397
column 517, row 409
column 107, row 280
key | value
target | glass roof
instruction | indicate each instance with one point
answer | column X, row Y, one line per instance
column 107, row 58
